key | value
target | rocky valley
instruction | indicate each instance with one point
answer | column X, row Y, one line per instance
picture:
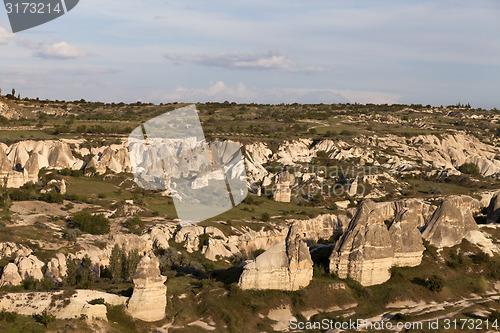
column 353, row 211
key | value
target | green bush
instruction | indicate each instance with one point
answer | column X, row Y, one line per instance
column 456, row 260
column 265, row 217
column 95, row 301
column 44, row 318
column 435, row 283
column 400, row 317
column 470, row 169
column 52, row 197
column 133, row 224
column 21, row 194
column 203, row 240
column 9, row 317
column 93, row 224
column 481, row 258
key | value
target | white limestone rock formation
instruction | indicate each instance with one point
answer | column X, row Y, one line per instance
column 160, row 235
column 285, row 266
column 149, row 298
column 320, row 227
column 56, row 268
column 11, row 249
column 263, row 239
column 291, row 152
column 189, row 235
column 365, row 251
column 406, row 239
column 116, row 160
column 353, row 188
column 451, row 222
column 256, row 155
column 282, row 191
column 10, row 276
column 30, row 266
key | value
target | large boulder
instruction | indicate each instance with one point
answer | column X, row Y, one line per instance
column 149, row 298
column 10, row 276
column 451, row 222
column 56, row 268
column 287, row 265
column 5, row 164
column 30, row 266
column 282, row 191
column 11, row 249
column 364, row 252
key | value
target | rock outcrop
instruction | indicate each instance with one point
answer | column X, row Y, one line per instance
column 365, row 251
column 11, row 249
column 320, row 227
column 56, row 268
column 149, row 298
column 285, row 266
column 451, row 222
column 282, row 191
column 30, row 266
column 10, row 276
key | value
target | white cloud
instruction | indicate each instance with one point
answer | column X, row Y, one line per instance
column 272, row 60
column 61, row 50
column 5, row 36
column 219, row 92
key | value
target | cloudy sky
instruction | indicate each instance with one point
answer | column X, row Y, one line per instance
column 437, row 52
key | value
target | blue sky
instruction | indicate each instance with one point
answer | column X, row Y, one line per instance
column 429, row 52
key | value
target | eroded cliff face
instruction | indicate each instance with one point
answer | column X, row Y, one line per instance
column 149, row 298
column 287, row 265
column 451, row 222
column 494, row 210
column 442, row 154
column 405, row 237
column 365, row 251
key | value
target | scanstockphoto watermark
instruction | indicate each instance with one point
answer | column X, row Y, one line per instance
column 377, row 326
column 311, row 180
column 27, row 14
column 330, row 324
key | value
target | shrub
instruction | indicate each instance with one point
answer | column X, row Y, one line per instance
column 435, row 283
column 95, row 301
column 470, row 169
column 457, row 260
column 400, row 317
column 44, row 318
column 9, row 317
column 20, row 194
column 265, row 217
column 52, row 197
column 494, row 316
column 203, row 240
column 481, row 258
column 93, row 224
column 133, row 224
